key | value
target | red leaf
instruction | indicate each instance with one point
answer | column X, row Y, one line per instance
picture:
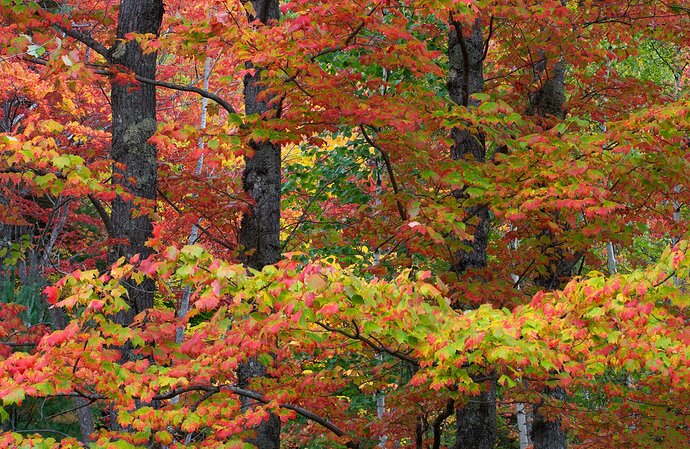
column 52, row 294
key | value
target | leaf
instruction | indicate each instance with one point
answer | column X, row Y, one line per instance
column 36, row 50
column 329, row 309
column 51, row 293
column 15, row 396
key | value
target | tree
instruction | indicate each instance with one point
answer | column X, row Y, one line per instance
column 134, row 158
column 476, row 420
column 260, row 229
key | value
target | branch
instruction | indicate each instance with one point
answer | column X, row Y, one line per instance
column 238, row 391
column 104, row 216
column 524, row 273
column 389, row 169
column 201, row 92
column 86, row 40
column 348, row 39
column 86, row 404
column 488, row 38
column 303, row 217
column 376, row 347
column 465, row 64
column 257, row 397
column 103, row 51
column 438, row 422
column 36, row 171
column 296, row 408
column 205, row 229
column 64, row 435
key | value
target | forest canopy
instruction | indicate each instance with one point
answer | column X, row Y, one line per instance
column 404, row 224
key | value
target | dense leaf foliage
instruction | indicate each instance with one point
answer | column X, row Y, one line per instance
column 369, row 300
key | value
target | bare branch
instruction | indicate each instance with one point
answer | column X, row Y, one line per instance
column 201, row 92
column 104, row 216
column 103, row 51
column 369, row 342
column 86, row 40
column 348, row 39
column 257, row 397
column 389, row 169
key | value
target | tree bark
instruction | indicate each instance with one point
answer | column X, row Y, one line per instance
column 548, row 102
column 476, row 420
column 476, row 427
column 260, row 227
column 466, row 77
column 547, row 433
column 134, row 158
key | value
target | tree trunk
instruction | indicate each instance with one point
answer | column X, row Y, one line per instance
column 476, row 421
column 476, row 428
column 549, row 98
column 547, row 434
column 134, row 158
column 260, row 228
column 466, row 77
column 548, row 102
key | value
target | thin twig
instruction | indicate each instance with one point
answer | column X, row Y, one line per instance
column 389, row 169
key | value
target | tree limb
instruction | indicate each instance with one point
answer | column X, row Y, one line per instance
column 438, row 422
column 85, row 39
column 389, row 169
column 257, row 397
column 201, row 92
column 103, row 51
column 376, row 347
column 104, row 216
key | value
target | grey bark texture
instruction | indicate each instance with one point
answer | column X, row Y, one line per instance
column 266, row 434
column 548, row 101
column 476, row 421
column 547, row 433
column 466, row 77
column 134, row 158
column 260, row 227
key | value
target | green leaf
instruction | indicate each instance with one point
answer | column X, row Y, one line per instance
column 506, row 381
column 14, row 397
column 36, row 50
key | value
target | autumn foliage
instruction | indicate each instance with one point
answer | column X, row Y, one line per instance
column 370, row 299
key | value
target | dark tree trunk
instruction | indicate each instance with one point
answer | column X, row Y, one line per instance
column 466, row 77
column 134, row 158
column 476, row 420
column 547, row 433
column 260, row 228
column 267, row 434
column 547, row 102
